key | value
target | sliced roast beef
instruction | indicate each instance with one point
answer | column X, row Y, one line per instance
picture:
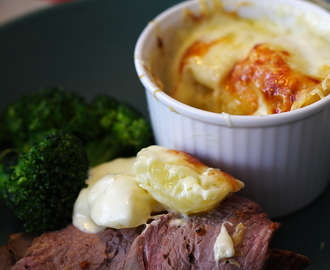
column 71, row 248
column 19, row 242
column 168, row 242
column 171, row 242
column 15, row 249
column 7, row 259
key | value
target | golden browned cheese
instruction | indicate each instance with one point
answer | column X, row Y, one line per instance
column 263, row 79
column 265, row 76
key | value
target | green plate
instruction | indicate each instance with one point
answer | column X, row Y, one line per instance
column 87, row 46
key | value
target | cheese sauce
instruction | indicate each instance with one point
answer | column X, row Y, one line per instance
column 112, row 199
column 224, row 246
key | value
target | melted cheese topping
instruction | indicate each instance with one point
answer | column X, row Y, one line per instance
column 250, row 67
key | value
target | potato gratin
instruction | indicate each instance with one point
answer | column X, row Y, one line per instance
column 224, row 63
column 180, row 182
column 124, row 193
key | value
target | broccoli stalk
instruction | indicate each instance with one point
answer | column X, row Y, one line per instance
column 46, row 181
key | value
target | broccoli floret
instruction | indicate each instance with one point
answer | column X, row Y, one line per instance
column 120, row 130
column 108, row 128
column 28, row 119
column 130, row 128
column 46, row 181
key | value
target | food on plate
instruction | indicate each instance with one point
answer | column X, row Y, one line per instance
column 169, row 242
column 222, row 62
column 180, row 182
column 159, row 179
column 46, row 181
column 226, row 232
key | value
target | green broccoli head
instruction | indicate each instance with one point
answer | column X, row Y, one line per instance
column 108, row 128
column 28, row 119
column 131, row 128
column 120, row 130
column 46, row 181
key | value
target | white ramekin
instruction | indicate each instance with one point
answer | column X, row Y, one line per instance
column 284, row 158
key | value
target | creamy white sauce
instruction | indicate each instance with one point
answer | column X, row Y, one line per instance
column 81, row 214
column 179, row 222
column 107, row 202
column 119, row 165
column 116, row 201
column 224, row 246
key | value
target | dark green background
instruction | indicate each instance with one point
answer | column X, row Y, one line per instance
column 87, row 46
